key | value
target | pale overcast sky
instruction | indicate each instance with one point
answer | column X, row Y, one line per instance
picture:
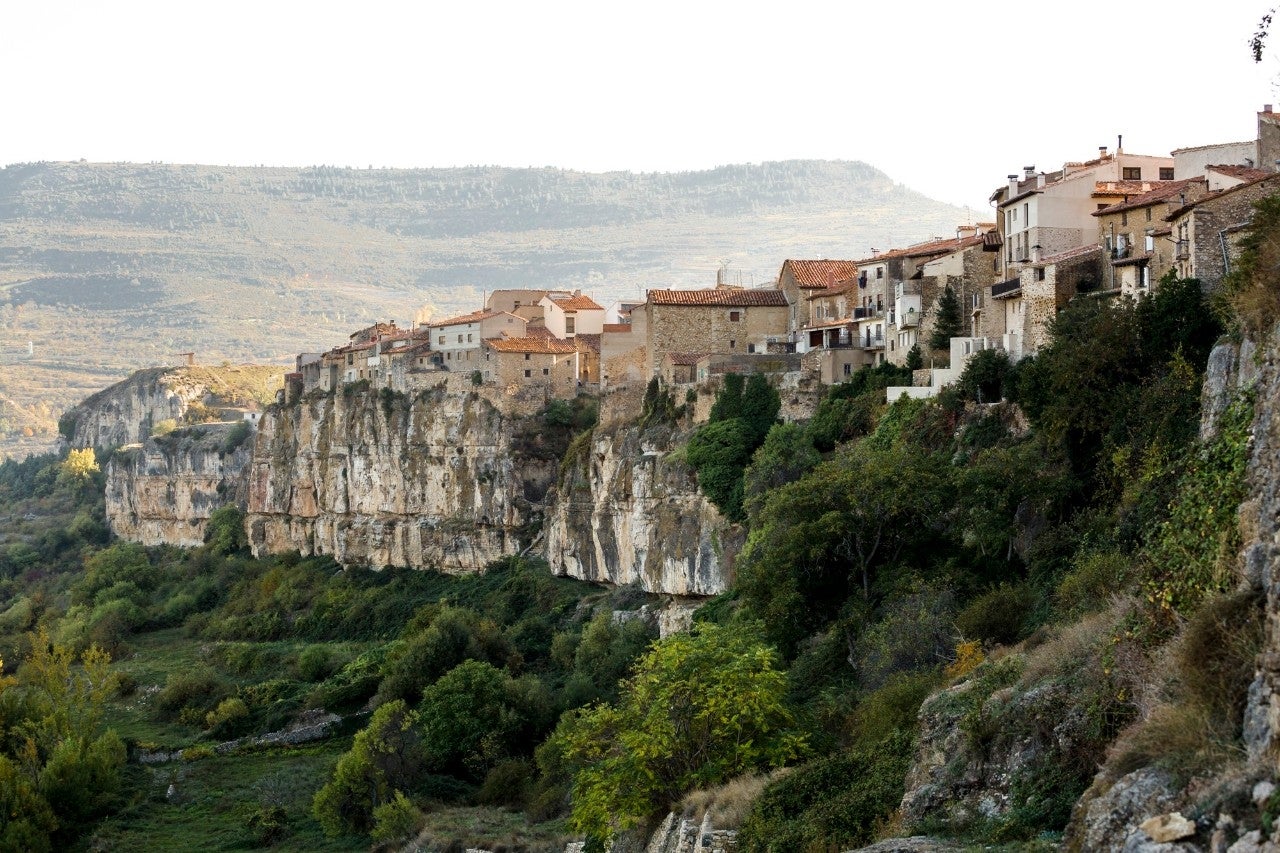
column 945, row 97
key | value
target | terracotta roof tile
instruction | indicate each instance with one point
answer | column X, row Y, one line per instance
column 1070, row 254
column 931, row 247
column 576, row 303
column 544, row 346
column 766, row 297
column 811, row 274
column 835, row 290
column 685, row 359
column 473, row 317
column 1269, row 176
column 588, row 341
column 1164, row 192
column 1244, row 173
column 1105, row 188
column 617, row 328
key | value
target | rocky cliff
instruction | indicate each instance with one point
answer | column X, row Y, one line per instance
column 438, row 480
column 628, row 510
column 163, row 492
column 126, row 412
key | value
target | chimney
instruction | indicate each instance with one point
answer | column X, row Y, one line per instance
column 1013, row 186
column 1119, row 144
column 1035, row 253
column 1028, row 172
column 1040, row 180
column 1266, row 108
column 1102, row 151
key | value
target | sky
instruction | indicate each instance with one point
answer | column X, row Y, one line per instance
column 947, row 98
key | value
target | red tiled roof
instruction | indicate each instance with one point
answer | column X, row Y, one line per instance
column 685, row 359
column 1105, row 188
column 835, row 290
column 617, row 328
column 576, row 303
column 1269, row 176
column 811, row 274
column 766, row 297
column 1244, row 173
column 473, row 317
column 539, row 331
column 1164, row 192
column 544, row 346
column 589, row 341
column 1070, row 254
column 932, row 247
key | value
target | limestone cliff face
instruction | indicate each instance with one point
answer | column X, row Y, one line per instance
column 625, row 512
column 125, row 413
column 437, row 481
column 163, row 492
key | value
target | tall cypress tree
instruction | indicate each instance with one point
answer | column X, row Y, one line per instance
column 947, row 323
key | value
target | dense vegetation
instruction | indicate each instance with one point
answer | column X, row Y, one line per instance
column 891, row 550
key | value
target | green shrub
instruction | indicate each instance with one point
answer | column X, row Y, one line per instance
column 228, row 719
column 398, row 819
column 832, row 803
column 236, row 436
column 999, row 615
column 269, row 824
column 507, row 784
column 315, row 663
column 1094, row 579
column 199, row 690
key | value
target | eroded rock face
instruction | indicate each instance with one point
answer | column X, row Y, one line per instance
column 428, row 482
column 163, row 492
column 625, row 512
column 125, row 412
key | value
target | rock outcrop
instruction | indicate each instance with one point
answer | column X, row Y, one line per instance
column 126, row 413
column 163, row 492
column 627, row 511
column 438, row 480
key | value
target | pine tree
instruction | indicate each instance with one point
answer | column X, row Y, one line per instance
column 947, row 323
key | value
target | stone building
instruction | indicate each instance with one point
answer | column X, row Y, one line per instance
column 726, row 320
column 1206, row 232
column 1135, row 237
column 1042, row 214
column 517, row 363
column 566, row 316
column 622, row 351
column 1022, row 307
column 457, row 339
column 798, row 279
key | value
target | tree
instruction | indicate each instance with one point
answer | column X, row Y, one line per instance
column 79, row 467
column 700, row 708
column 946, row 323
column 385, row 757
column 915, row 361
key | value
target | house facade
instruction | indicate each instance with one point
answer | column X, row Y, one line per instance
column 544, row 362
column 799, row 279
column 725, row 320
column 1206, row 232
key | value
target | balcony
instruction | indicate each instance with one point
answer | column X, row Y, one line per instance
column 873, row 341
column 910, row 319
column 1004, row 289
column 868, row 313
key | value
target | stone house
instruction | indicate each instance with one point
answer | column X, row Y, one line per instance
column 726, row 320
column 1206, row 232
column 1022, row 307
column 1041, row 214
column 830, row 339
column 799, row 278
column 967, row 267
column 518, row 363
column 622, row 351
column 680, row 368
column 566, row 316
column 1135, row 237
column 457, row 339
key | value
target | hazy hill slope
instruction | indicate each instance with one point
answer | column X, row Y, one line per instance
column 106, row 268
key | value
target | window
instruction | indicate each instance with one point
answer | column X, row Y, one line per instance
column 442, row 339
column 1166, row 173
column 1151, row 243
column 449, row 356
column 1014, row 213
column 1124, row 218
column 545, row 371
column 732, row 344
column 736, row 316
column 1026, row 215
column 468, row 337
column 1040, row 274
column 526, row 356
column 879, row 272
column 568, row 325
column 459, row 338
column 1131, row 173
column 751, row 347
column 528, row 373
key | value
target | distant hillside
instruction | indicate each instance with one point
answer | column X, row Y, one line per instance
column 107, row 267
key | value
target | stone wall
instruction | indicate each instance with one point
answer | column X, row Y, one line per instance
column 709, row 329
